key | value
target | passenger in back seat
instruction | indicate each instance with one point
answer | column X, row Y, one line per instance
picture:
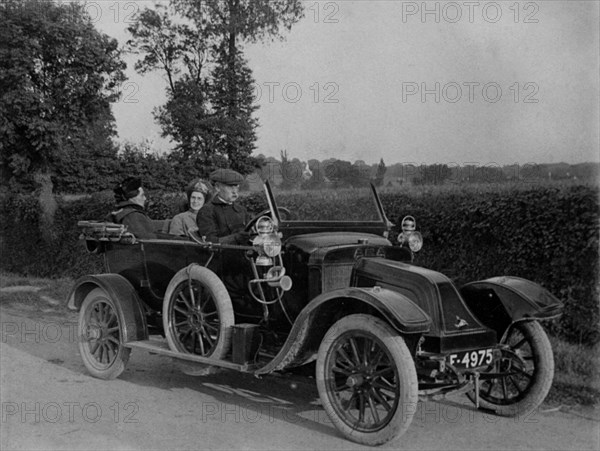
column 198, row 192
column 130, row 209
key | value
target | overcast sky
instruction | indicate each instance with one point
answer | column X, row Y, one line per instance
column 454, row 82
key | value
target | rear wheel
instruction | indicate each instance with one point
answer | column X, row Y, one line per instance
column 524, row 373
column 197, row 313
column 366, row 379
column 101, row 336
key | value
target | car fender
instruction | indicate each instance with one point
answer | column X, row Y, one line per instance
column 317, row 317
column 129, row 305
column 500, row 301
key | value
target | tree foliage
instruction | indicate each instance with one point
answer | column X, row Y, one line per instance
column 58, row 76
column 167, row 45
column 186, row 118
column 380, row 174
column 291, row 172
column 241, row 20
column 233, row 106
column 210, row 97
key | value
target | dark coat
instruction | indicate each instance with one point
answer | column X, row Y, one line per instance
column 135, row 218
column 219, row 221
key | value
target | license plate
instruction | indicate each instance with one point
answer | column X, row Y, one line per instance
column 471, row 359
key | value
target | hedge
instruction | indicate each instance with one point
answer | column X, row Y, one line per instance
column 548, row 234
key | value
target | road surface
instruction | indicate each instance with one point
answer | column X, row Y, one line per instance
column 48, row 401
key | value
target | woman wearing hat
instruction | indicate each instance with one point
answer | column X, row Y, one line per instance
column 198, row 192
column 130, row 211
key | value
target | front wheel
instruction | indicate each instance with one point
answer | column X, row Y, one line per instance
column 523, row 375
column 101, row 336
column 366, row 379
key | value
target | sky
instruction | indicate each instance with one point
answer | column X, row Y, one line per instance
column 464, row 82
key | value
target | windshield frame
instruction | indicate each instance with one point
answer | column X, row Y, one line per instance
column 379, row 226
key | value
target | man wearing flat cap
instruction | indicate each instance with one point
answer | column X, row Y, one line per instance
column 131, row 200
column 222, row 220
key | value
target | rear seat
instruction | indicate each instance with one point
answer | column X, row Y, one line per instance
column 161, row 225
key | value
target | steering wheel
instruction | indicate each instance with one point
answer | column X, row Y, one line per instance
column 287, row 213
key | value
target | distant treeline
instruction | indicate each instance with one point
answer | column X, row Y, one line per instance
column 334, row 173
column 435, row 174
column 100, row 171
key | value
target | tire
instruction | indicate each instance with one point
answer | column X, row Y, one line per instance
column 101, row 336
column 366, row 379
column 197, row 313
column 528, row 368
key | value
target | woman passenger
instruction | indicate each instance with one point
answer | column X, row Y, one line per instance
column 198, row 192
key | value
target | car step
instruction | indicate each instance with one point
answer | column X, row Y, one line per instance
column 162, row 348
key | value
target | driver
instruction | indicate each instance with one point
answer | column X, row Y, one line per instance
column 222, row 220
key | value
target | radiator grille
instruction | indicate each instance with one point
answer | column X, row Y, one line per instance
column 336, row 276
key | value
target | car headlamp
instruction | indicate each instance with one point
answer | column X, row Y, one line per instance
column 409, row 235
column 409, row 224
column 264, row 225
column 415, row 241
column 269, row 244
column 267, row 240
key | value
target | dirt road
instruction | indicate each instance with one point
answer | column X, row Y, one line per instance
column 49, row 402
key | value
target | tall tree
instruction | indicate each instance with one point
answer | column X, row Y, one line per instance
column 291, row 171
column 210, row 106
column 380, row 173
column 233, row 106
column 186, row 117
column 228, row 24
column 178, row 49
column 58, row 76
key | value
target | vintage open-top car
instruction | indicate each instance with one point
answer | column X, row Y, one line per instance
column 381, row 329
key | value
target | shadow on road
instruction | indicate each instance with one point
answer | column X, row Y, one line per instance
column 225, row 396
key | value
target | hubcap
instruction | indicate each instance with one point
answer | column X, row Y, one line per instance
column 94, row 332
column 196, row 320
column 102, row 333
column 355, row 381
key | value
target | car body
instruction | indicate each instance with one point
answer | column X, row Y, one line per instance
column 337, row 292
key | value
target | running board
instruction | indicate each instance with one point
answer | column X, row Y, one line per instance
column 162, row 348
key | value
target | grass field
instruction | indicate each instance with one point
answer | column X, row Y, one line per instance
column 577, row 368
column 577, row 374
